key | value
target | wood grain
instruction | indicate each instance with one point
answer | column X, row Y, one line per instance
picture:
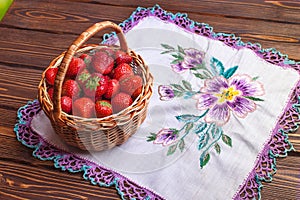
column 281, row 11
column 34, row 32
column 62, row 18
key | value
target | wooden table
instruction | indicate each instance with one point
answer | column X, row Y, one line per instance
column 34, row 32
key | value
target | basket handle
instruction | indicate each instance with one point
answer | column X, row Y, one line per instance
column 83, row 38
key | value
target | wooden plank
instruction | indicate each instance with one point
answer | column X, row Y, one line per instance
column 19, row 181
column 36, row 49
column 10, row 115
column 33, row 49
column 24, row 177
column 268, row 33
column 285, row 184
column 29, row 49
column 282, row 11
column 18, row 86
column 61, row 16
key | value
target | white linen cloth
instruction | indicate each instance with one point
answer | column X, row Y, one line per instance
column 179, row 176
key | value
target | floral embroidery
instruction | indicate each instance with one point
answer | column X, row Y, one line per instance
column 166, row 136
column 222, row 93
column 166, row 92
column 185, row 59
column 221, row 96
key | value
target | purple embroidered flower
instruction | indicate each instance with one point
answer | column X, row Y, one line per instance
column 166, row 136
column 166, row 92
column 178, row 68
column 191, row 59
column 221, row 96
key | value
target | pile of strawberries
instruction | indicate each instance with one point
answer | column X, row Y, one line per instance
column 97, row 84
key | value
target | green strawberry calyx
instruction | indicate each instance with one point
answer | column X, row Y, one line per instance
column 92, row 83
column 84, row 76
column 105, row 104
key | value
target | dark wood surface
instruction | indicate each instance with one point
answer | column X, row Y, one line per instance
column 34, row 32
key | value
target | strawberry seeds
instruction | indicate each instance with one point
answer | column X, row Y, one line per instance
column 98, row 83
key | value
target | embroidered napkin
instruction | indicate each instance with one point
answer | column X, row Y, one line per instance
column 217, row 119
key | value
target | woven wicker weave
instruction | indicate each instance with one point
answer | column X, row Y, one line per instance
column 95, row 134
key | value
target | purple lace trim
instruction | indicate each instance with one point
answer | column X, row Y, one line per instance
column 181, row 20
column 277, row 146
column 98, row 175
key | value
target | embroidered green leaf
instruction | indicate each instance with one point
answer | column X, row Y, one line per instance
column 227, row 140
column 175, row 61
column 188, row 95
column 207, row 74
column 181, row 145
column 200, row 127
column 255, row 78
column 204, row 160
column 166, row 46
column 199, row 66
column 187, row 85
column 187, row 118
column 178, row 57
column 216, row 66
column 217, row 148
column 178, row 87
column 189, row 126
column 253, row 98
column 168, row 51
column 213, row 130
column 172, row 149
column 151, row 137
column 178, row 93
column 201, row 76
column 175, row 56
column 180, row 49
column 228, row 73
column 203, row 139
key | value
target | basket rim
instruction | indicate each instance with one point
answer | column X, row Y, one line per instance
column 147, row 78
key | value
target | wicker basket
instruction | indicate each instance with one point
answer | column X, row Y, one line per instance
column 94, row 134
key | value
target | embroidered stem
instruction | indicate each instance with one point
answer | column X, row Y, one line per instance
column 191, row 124
column 204, row 157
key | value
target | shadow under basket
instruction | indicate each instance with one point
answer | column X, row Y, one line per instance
column 95, row 134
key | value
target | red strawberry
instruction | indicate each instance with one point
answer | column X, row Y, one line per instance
column 50, row 75
column 86, row 58
column 113, row 88
column 66, row 104
column 71, row 89
column 83, row 77
column 109, row 51
column 120, row 101
column 96, row 85
column 76, row 66
column 122, row 57
column 50, row 93
column 131, row 83
column 84, row 107
column 137, row 92
column 103, row 108
column 102, row 62
column 102, row 88
column 122, row 70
